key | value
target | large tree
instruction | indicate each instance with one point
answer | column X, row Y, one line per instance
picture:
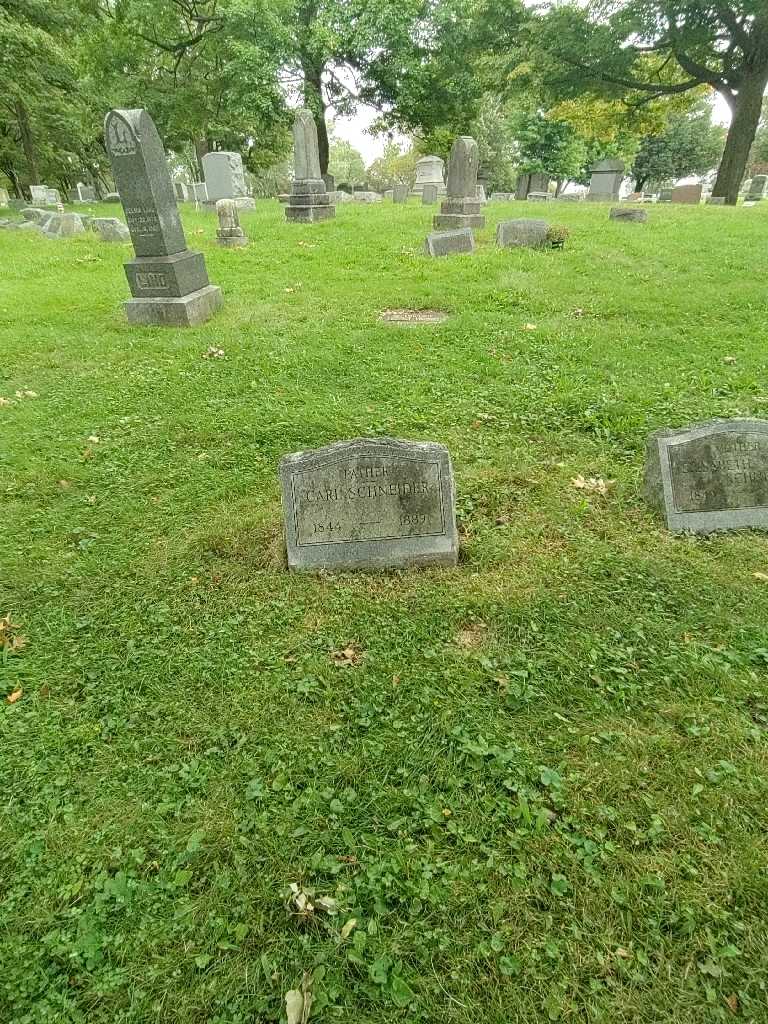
column 651, row 48
column 689, row 144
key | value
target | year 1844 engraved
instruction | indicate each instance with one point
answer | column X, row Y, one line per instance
column 370, row 498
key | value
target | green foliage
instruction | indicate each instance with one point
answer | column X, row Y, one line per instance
column 392, row 167
column 549, row 146
column 346, row 163
column 690, row 144
column 540, row 795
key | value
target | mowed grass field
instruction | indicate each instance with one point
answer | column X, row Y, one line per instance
column 535, row 785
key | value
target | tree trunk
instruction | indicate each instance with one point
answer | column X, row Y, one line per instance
column 202, row 148
column 745, row 107
column 640, row 184
column 27, row 143
column 313, row 98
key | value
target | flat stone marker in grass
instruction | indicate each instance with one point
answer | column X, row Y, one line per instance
column 522, row 233
column 628, row 214
column 710, row 476
column 446, row 243
column 169, row 282
column 370, row 503
column 413, row 316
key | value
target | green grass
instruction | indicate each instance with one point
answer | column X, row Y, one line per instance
column 541, row 793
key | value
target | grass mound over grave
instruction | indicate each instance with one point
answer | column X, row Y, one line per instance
column 536, row 783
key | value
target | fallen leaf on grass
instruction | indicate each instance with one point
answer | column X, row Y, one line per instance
column 529, row 327
column 11, row 640
column 87, row 454
column 729, row 360
column 64, row 484
column 298, row 1002
column 91, row 499
column 623, row 953
column 732, row 1002
column 93, row 438
column 593, row 485
column 304, row 902
column 347, row 657
column 348, row 928
column 213, row 353
column 761, row 576
column 26, row 394
column 13, row 697
column 5, row 401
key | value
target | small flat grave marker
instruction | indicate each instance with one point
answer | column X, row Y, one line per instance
column 710, row 476
column 369, row 503
column 413, row 316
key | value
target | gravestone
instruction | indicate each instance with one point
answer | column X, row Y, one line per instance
column 530, row 234
column 225, row 179
column 710, row 476
column 112, row 197
column 367, row 197
column 181, row 191
column 429, row 171
column 309, row 201
column 715, row 200
column 461, row 209
column 665, row 195
column 62, row 225
column 17, row 204
column 199, row 191
column 169, row 283
column 502, row 197
column 605, row 182
column 527, row 183
column 538, row 197
column 330, row 182
column 110, row 229
column 4, row 198
column 446, row 243
column 688, row 194
column 32, row 213
column 39, row 194
column 480, row 194
column 623, row 213
column 400, row 193
column 85, row 193
column 757, row 188
column 429, row 194
column 53, row 197
column 229, row 234
column 370, row 503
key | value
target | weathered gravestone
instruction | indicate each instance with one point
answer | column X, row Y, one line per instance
column 330, row 182
column 429, row 194
column 531, row 234
column 225, row 179
column 370, row 503
column 446, row 243
column 62, row 225
column 110, row 229
column 53, row 197
column 527, row 183
column 4, row 197
column 461, row 208
column 605, row 182
column 309, row 200
column 39, row 194
column 626, row 213
column 112, row 197
column 400, row 193
column 364, row 196
column 229, row 234
column 757, row 188
column 665, row 195
column 715, row 200
column 710, row 476
column 181, row 191
column 169, row 282
column 502, row 197
column 688, row 194
column 199, row 191
column 429, row 171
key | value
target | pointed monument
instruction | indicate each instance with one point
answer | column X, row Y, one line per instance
column 169, row 283
column 461, row 208
column 308, row 200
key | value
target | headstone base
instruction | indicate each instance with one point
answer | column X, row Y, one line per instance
column 185, row 311
column 164, row 277
column 459, row 213
column 309, row 214
column 231, row 241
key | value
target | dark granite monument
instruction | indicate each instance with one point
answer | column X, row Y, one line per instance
column 370, row 503
column 710, row 476
column 169, row 283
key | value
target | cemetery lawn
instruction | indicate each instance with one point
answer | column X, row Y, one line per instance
column 534, row 785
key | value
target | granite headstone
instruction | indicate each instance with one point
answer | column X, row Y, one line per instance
column 369, row 503
column 309, row 201
column 524, row 233
column 446, row 243
column 605, row 182
column 461, row 208
column 168, row 281
column 710, row 476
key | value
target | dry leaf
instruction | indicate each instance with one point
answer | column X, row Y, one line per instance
column 294, row 1006
column 87, row 454
column 593, row 485
column 5, row 401
column 213, row 353
column 732, row 1002
column 623, row 953
column 64, row 484
column 529, row 327
column 11, row 640
column 90, row 499
column 350, row 655
column 761, row 576
column 348, row 928
column 13, row 697
column 729, row 360
column 93, row 438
